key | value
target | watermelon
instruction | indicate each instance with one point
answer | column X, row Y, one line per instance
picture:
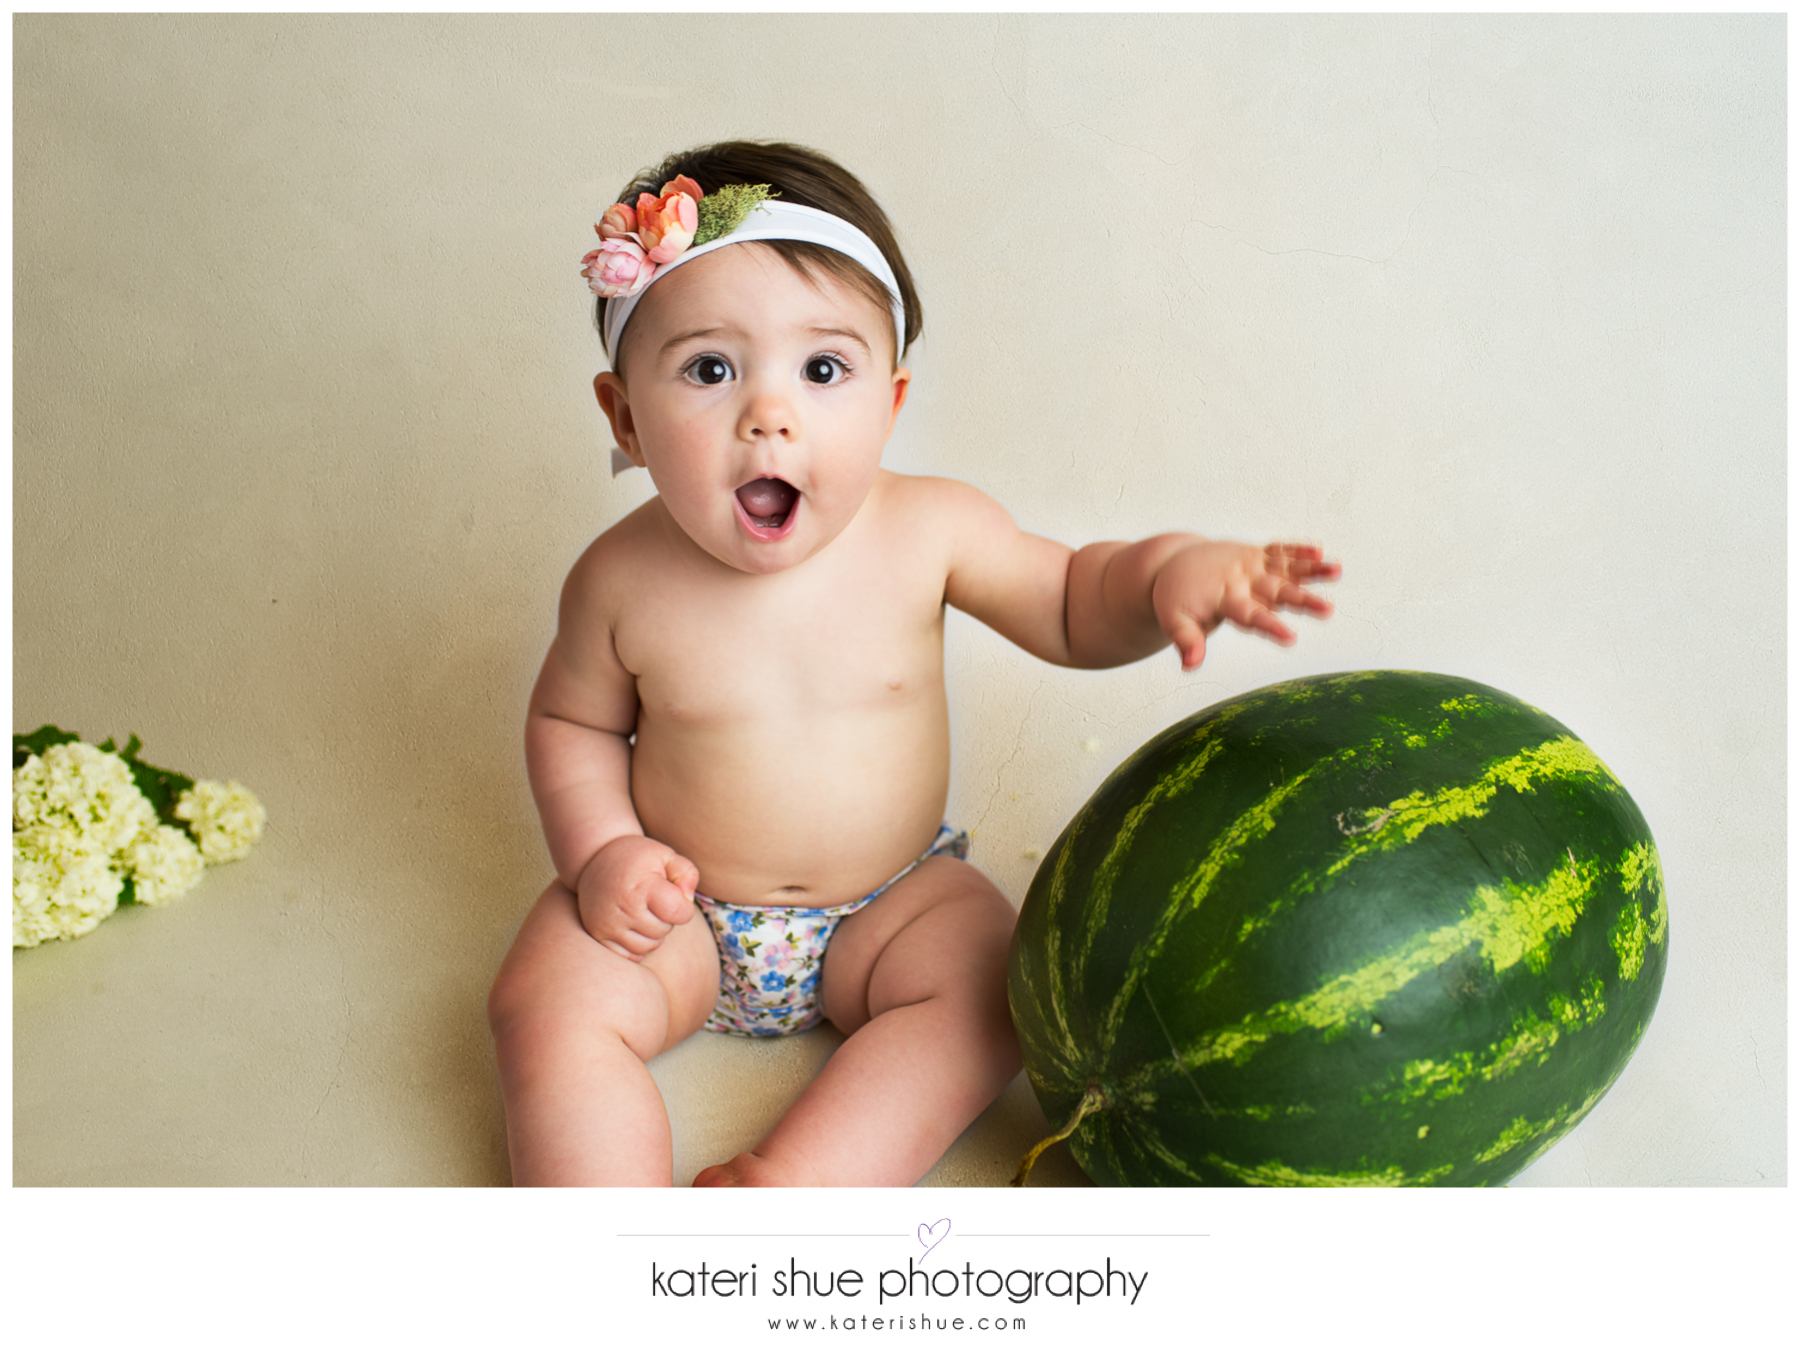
column 1370, row 929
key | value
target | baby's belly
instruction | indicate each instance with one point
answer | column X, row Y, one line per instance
column 813, row 814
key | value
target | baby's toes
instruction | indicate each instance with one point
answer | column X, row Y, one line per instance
column 719, row 1174
column 746, row 1170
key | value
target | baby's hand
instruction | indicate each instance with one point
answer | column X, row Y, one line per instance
column 633, row 892
column 1210, row 582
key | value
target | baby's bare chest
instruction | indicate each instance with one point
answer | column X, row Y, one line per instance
column 755, row 656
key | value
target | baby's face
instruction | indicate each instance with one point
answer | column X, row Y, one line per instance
column 759, row 401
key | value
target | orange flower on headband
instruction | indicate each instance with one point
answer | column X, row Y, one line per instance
column 619, row 222
column 666, row 224
column 683, row 184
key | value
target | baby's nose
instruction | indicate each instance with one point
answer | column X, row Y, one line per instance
column 767, row 414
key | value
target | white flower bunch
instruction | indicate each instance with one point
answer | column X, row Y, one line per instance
column 83, row 830
column 62, row 885
column 225, row 817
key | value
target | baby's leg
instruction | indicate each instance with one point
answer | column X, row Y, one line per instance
column 573, row 1024
column 918, row 979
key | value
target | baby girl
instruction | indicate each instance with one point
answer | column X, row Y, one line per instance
column 739, row 743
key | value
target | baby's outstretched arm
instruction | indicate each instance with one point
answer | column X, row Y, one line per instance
column 1112, row 603
column 630, row 890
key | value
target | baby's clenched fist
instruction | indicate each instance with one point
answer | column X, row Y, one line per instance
column 633, row 892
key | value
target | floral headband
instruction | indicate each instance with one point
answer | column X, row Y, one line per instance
column 640, row 243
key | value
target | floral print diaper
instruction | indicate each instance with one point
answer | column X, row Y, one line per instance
column 771, row 956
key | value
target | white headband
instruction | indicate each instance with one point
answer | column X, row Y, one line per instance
column 774, row 219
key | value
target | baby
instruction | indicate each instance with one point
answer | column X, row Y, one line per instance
column 739, row 743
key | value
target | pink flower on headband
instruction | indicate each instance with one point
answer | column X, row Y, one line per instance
column 617, row 267
column 618, row 222
column 666, row 224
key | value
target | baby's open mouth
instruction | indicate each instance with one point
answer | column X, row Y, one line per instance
column 768, row 502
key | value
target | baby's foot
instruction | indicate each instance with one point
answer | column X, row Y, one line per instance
column 749, row 1170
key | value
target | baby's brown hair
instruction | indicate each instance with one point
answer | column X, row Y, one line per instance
column 804, row 177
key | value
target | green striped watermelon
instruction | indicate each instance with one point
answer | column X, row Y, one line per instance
column 1379, row 928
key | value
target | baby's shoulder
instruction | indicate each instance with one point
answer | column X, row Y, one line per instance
column 954, row 514
column 614, row 565
column 946, row 504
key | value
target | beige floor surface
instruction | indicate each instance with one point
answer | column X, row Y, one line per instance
column 313, row 1016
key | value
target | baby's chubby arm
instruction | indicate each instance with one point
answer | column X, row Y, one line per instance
column 631, row 890
column 1112, row 603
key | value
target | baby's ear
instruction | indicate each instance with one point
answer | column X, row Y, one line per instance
column 902, row 382
column 609, row 389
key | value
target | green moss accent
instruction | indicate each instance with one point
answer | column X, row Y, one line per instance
column 722, row 210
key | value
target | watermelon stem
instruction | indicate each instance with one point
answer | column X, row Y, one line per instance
column 1092, row 1100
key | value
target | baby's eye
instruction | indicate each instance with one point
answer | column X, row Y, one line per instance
column 708, row 370
column 825, row 370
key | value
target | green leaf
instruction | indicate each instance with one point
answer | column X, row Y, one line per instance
column 39, row 741
column 163, row 787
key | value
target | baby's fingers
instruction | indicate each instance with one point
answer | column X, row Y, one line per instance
column 633, row 945
column 1251, row 609
column 1189, row 638
column 685, row 877
column 1302, row 562
column 1279, row 594
column 1258, row 619
column 671, row 902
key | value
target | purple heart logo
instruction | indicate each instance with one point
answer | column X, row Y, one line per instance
column 930, row 1234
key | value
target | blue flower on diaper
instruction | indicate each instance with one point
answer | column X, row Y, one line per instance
column 742, row 921
column 811, row 982
column 774, row 980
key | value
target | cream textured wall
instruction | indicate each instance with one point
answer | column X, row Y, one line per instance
column 304, row 443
